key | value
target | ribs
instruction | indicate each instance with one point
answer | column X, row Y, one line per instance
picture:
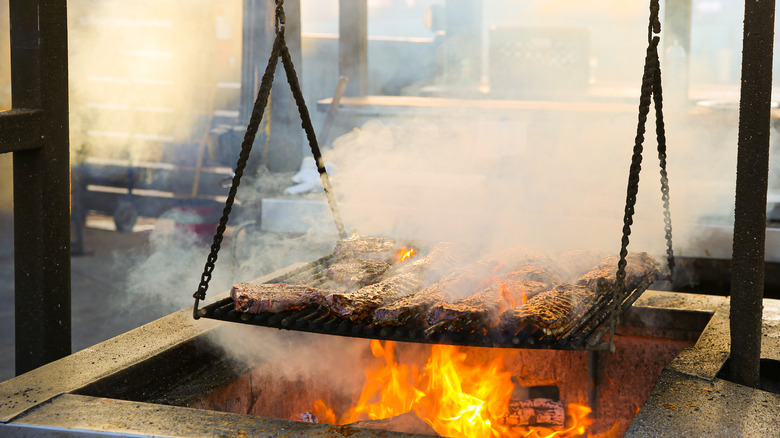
column 550, row 311
column 466, row 315
column 275, row 297
column 639, row 267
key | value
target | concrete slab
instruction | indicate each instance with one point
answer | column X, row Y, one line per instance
column 683, row 405
column 690, row 399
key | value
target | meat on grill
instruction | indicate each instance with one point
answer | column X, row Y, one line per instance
column 639, row 266
column 531, row 276
column 445, row 257
column 359, row 305
column 551, row 310
column 376, row 248
column 357, row 272
column 511, row 284
column 456, row 284
column 275, row 297
column 467, row 315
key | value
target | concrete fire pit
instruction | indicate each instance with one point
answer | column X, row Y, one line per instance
column 141, row 382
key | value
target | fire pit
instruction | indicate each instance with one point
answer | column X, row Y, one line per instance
column 147, row 381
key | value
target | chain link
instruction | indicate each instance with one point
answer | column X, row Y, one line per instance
column 651, row 91
column 279, row 50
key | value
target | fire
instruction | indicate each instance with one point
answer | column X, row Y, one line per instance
column 404, row 254
column 455, row 398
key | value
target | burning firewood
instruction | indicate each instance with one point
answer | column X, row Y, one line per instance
column 406, row 423
column 535, row 412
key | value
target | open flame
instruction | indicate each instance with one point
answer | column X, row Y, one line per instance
column 455, row 398
column 404, row 254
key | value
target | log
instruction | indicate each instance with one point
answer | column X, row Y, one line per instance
column 535, row 412
column 406, row 423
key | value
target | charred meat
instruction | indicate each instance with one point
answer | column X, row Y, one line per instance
column 639, row 267
column 359, row 305
column 275, row 297
column 551, row 311
column 357, row 272
column 452, row 286
column 357, row 246
column 467, row 315
column 442, row 259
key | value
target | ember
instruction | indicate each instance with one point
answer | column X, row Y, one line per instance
column 456, row 398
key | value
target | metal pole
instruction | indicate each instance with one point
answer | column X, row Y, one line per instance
column 747, row 268
column 353, row 45
column 39, row 71
column 286, row 149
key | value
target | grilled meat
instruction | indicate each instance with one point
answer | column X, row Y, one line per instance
column 532, row 276
column 467, row 315
column 551, row 310
column 452, row 286
column 357, row 246
column 442, row 259
column 359, row 305
column 639, row 266
column 355, row 273
column 275, row 297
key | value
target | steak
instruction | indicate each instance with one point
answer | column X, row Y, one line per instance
column 452, row 286
column 551, row 310
column 354, row 273
column 639, row 267
column 359, row 305
column 442, row 259
column 275, row 297
column 369, row 247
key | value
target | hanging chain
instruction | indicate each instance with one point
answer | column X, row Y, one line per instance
column 292, row 79
column 651, row 90
column 246, row 147
column 661, row 138
column 279, row 50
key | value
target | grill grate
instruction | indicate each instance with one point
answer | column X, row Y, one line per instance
column 585, row 333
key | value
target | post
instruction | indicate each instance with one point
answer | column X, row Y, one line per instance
column 747, row 267
column 39, row 71
column 353, row 45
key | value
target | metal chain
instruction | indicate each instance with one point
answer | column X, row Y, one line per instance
column 649, row 77
column 246, row 147
column 279, row 50
column 292, row 79
column 661, row 137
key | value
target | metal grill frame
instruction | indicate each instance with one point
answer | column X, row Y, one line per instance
column 586, row 333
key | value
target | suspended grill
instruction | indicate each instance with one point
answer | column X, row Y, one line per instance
column 584, row 333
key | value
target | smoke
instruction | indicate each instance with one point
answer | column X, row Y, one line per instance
column 142, row 76
column 548, row 180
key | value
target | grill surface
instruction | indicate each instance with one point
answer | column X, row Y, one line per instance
column 586, row 333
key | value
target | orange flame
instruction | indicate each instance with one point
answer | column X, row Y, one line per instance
column 504, row 291
column 404, row 254
column 455, row 398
